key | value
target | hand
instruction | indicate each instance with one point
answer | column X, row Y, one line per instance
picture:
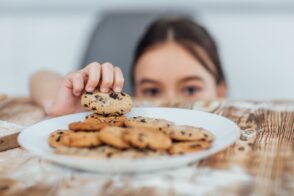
column 94, row 76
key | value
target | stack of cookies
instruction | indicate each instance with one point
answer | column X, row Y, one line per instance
column 107, row 133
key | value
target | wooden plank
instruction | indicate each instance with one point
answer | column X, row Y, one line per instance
column 269, row 157
column 20, row 111
column 8, row 135
column 8, row 142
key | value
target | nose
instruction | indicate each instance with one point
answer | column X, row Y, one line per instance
column 171, row 96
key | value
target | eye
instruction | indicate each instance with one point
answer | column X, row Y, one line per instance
column 190, row 90
column 151, row 92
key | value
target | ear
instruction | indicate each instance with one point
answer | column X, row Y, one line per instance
column 222, row 90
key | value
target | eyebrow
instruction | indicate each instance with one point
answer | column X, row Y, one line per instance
column 189, row 78
column 147, row 80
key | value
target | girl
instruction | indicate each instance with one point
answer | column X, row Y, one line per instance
column 176, row 59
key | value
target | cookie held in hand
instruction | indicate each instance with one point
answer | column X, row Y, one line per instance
column 107, row 104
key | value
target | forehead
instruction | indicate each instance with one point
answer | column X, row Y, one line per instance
column 171, row 62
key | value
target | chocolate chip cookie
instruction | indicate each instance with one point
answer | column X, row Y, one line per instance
column 94, row 152
column 190, row 133
column 87, row 126
column 147, row 139
column 114, row 136
column 138, row 153
column 146, row 123
column 55, row 138
column 80, row 139
column 188, row 147
column 117, row 121
column 107, row 104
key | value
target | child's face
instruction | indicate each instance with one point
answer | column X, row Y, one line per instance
column 169, row 72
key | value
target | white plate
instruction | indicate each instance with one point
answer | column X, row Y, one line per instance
column 34, row 139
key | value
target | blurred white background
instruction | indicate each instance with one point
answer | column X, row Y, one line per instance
column 256, row 39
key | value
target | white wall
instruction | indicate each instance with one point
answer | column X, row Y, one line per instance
column 256, row 40
column 257, row 52
column 30, row 42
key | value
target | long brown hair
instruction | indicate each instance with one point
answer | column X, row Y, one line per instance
column 188, row 34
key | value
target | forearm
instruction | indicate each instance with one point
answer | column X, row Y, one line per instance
column 44, row 86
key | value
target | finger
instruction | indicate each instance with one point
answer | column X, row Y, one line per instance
column 77, row 83
column 118, row 80
column 68, row 80
column 93, row 71
column 107, row 77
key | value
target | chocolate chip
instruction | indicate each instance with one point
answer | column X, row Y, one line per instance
column 93, row 108
column 113, row 95
column 85, row 105
column 143, row 121
column 241, row 148
column 109, row 155
column 190, row 134
column 89, row 93
column 182, row 132
column 105, row 114
column 205, row 135
column 123, row 94
column 58, row 138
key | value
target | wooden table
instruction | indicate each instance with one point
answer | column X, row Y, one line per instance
column 261, row 162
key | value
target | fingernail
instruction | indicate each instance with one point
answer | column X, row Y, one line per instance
column 115, row 89
column 90, row 89
column 76, row 93
column 104, row 90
